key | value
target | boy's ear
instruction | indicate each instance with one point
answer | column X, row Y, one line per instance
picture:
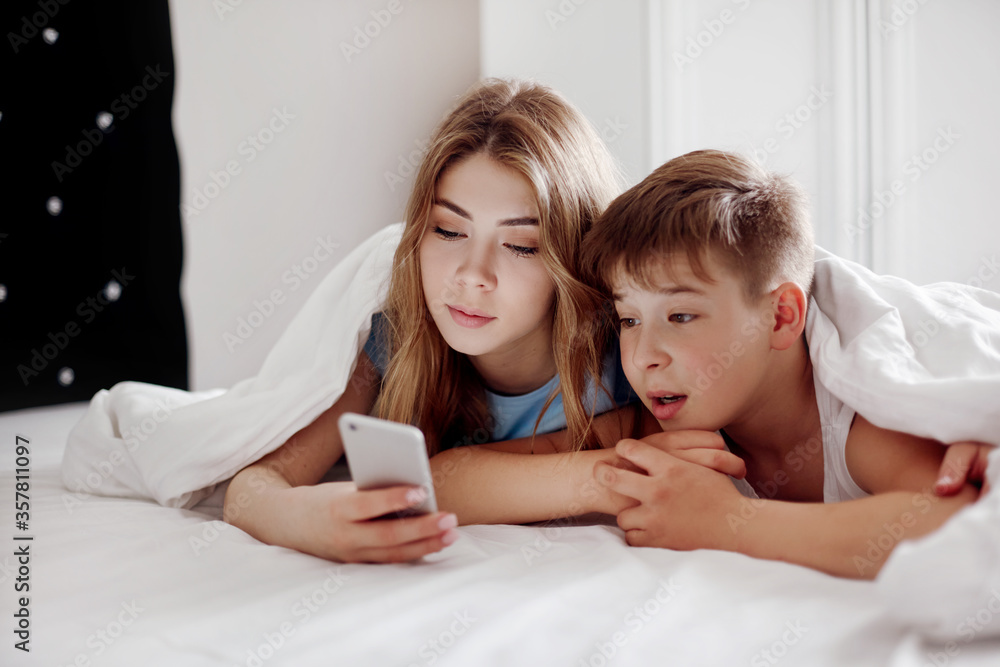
column 788, row 304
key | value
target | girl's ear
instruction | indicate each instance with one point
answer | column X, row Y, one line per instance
column 788, row 304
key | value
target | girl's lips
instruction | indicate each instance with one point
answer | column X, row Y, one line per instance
column 666, row 411
column 471, row 318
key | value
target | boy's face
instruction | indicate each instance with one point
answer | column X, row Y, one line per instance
column 694, row 351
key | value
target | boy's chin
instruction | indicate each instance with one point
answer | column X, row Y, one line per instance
column 687, row 423
column 671, row 425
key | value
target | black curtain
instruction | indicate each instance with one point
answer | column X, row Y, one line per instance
column 90, row 237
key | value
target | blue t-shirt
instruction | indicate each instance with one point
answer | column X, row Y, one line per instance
column 515, row 416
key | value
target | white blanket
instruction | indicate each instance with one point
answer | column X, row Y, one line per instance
column 924, row 360
column 141, row 440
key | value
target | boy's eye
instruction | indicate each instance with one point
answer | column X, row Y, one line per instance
column 521, row 251
column 627, row 322
column 446, row 234
column 681, row 318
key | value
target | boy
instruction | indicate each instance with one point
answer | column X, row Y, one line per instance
column 710, row 263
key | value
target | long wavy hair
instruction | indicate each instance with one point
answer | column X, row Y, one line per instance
column 533, row 130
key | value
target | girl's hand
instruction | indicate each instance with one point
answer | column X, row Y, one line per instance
column 280, row 500
column 963, row 462
column 338, row 522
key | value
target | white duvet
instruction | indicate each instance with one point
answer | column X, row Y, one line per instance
column 920, row 359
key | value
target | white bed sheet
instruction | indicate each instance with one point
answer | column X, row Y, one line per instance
column 128, row 582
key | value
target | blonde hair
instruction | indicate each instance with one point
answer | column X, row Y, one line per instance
column 756, row 221
column 533, row 130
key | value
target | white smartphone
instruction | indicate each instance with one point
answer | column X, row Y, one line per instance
column 383, row 453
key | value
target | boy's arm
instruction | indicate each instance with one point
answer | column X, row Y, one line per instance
column 685, row 506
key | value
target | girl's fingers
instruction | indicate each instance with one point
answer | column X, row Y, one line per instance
column 354, row 536
column 402, row 553
column 395, row 533
column 365, row 505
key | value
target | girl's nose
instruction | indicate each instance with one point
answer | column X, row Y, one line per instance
column 476, row 269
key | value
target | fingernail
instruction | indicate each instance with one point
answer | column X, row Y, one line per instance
column 945, row 481
column 449, row 537
column 447, row 522
column 416, row 496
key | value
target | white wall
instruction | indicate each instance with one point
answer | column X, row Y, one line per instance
column 943, row 63
column 623, row 63
column 809, row 89
column 343, row 121
column 592, row 52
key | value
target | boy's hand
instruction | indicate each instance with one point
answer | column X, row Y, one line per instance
column 600, row 497
column 705, row 448
column 679, row 505
column 963, row 462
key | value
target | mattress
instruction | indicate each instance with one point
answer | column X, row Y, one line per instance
column 112, row 581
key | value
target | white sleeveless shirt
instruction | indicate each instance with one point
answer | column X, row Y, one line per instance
column 835, row 421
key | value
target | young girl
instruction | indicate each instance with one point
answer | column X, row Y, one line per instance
column 479, row 340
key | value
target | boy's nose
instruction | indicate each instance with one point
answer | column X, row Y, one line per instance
column 650, row 351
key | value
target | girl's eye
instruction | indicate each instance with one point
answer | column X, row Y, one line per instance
column 521, row 251
column 681, row 318
column 627, row 322
column 446, row 234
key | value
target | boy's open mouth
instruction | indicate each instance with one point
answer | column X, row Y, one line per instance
column 666, row 406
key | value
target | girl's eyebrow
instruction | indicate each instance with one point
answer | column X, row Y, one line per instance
column 454, row 208
column 459, row 211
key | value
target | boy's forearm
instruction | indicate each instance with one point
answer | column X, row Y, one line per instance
column 847, row 539
column 481, row 485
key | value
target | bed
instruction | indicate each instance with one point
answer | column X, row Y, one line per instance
column 116, row 581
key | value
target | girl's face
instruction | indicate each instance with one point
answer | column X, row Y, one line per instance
column 483, row 277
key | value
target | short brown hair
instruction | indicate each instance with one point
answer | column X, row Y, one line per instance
column 756, row 221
